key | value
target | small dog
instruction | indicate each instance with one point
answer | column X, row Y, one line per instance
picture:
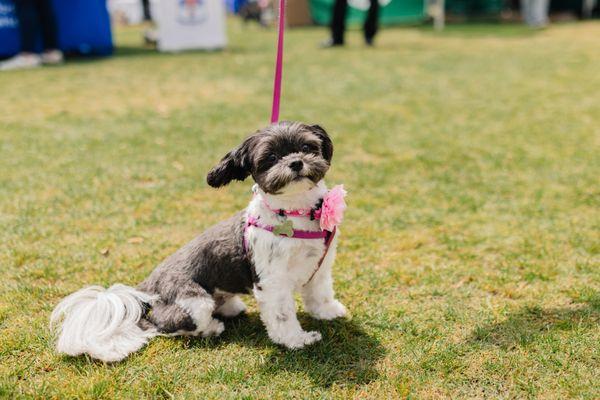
column 274, row 247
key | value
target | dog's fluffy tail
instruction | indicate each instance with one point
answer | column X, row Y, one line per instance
column 102, row 322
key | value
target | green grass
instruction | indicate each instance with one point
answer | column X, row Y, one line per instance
column 470, row 257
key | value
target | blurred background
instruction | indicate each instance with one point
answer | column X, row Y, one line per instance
column 467, row 134
column 84, row 26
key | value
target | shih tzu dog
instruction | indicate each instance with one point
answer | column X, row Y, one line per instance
column 283, row 242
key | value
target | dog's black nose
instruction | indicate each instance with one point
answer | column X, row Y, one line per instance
column 296, row 165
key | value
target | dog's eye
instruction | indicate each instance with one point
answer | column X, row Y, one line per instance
column 272, row 157
column 306, row 148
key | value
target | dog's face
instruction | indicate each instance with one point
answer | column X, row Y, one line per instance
column 283, row 158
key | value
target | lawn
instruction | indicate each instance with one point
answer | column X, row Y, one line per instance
column 470, row 256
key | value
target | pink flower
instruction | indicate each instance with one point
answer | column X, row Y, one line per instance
column 332, row 211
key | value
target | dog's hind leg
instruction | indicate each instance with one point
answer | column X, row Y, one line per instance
column 201, row 309
column 170, row 319
column 190, row 314
column 228, row 304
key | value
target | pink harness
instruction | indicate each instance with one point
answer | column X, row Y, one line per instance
column 297, row 233
column 327, row 236
column 313, row 213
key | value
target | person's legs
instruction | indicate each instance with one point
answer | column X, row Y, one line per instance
column 48, row 24
column 338, row 21
column 51, row 54
column 146, row 8
column 372, row 22
column 28, row 24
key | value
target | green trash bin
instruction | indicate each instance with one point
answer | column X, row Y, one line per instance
column 391, row 12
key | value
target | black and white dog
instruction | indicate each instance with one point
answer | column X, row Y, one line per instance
column 273, row 248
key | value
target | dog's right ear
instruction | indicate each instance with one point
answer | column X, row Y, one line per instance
column 326, row 145
column 236, row 165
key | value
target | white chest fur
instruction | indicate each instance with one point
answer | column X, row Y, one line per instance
column 287, row 261
column 285, row 265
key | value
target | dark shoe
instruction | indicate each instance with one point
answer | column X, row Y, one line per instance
column 369, row 42
column 330, row 43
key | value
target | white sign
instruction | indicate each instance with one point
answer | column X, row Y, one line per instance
column 191, row 24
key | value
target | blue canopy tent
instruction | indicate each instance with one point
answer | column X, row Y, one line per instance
column 83, row 27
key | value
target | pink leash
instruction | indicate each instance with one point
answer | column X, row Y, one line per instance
column 275, row 118
column 278, row 65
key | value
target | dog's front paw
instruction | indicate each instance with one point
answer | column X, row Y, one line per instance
column 300, row 340
column 330, row 310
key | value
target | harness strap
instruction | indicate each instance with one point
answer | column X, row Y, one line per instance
column 298, row 234
column 327, row 246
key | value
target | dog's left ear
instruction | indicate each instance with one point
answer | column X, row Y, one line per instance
column 326, row 144
column 236, row 165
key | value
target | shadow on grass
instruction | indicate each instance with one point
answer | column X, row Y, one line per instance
column 138, row 52
column 142, row 51
column 345, row 355
column 478, row 30
column 528, row 324
column 527, row 327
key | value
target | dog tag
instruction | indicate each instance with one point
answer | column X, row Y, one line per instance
column 286, row 228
